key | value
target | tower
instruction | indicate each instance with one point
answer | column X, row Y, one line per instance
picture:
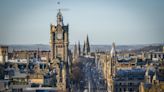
column 79, row 49
column 59, row 50
column 87, row 48
column 84, row 48
column 75, row 53
column 75, row 50
column 113, row 60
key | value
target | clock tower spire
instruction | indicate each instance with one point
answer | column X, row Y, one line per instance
column 59, row 18
column 59, row 51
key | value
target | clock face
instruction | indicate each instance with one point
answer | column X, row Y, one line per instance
column 59, row 36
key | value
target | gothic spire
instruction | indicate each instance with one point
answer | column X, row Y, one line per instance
column 84, row 48
column 79, row 49
column 87, row 45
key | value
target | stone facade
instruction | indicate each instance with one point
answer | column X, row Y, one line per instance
column 30, row 54
column 59, row 51
column 3, row 54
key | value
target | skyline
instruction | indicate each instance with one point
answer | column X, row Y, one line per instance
column 122, row 22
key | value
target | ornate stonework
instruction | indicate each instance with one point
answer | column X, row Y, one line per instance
column 59, row 50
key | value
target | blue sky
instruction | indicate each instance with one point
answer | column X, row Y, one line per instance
column 105, row 21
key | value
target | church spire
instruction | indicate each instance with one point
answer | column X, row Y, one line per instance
column 59, row 15
column 87, row 45
column 79, row 49
column 75, row 50
column 84, row 48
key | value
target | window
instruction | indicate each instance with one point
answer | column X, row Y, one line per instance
column 130, row 89
column 130, row 84
column 159, row 55
column 120, row 90
column 155, row 55
column 124, row 89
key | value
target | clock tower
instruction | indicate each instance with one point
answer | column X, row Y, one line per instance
column 59, row 50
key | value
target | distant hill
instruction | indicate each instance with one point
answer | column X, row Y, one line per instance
column 152, row 48
column 148, row 48
column 93, row 47
column 29, row 47
column 145, row 47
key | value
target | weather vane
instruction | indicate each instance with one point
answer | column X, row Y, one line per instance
column 58, row 3
column 59, row 7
